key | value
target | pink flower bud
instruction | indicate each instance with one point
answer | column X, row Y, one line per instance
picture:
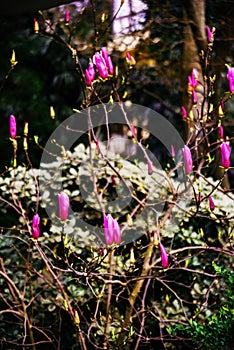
column 13, row 127
column 130, row 59
column 25, row 128
column 188, row 161
column 230, row 76
column 117, row 233
column 89, row 74
column 114, row 180
column 97, row 146
column 211, row 203
column 184, row 112
column 64, row 204
column 102, row 251
column 164, row 256
column 192, row 79
column 101, row 65
column 133, row 131
column 194, row 97
column 35, row 226
column 111, row 230
column 88, row 78
column 150, row 169
column 225, row 154
column 110, row 66
column 67, row 16
column 221, row 132
column 107, row 60
column 36, row 26
column 195, row 73
column 104, row 54
column 172, row 151
column 209, row 35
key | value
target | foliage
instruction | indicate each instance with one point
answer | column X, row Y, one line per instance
column 215, row 331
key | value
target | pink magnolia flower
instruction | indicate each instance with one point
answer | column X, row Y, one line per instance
column 110, row 66
column 211, row 203
column 184, row 112
column 221, row 132
column 97, row 146
column 188, row 161
column 192, row 79
column 209, row 34
column 107, row 60
column 104, row 53
column 100, row 63
column 225, row 154
column 89, row 74
column 114, row 180
column 194, row 97
column 67, row 16
column 230, row 76
column 172, row 151
column 35, row 226
column 130, row 59
column 111, row 230
column 64, row 204
column 150, row 169
column 13, row 127
column 164, row 256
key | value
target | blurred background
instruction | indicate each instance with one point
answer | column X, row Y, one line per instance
column 164, row 38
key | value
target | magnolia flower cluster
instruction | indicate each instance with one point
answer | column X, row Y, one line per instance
column 225, row 149
column 13, row 127
column 104, row 66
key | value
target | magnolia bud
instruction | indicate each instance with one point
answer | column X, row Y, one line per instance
column 164, row 256
column 211, row 203
column 188, row 162
column 64, row 204
column 35, row 226
column 13, row 127
column 225, row 154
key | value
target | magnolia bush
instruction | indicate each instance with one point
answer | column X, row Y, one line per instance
column 105, row 249
column 81, row 262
